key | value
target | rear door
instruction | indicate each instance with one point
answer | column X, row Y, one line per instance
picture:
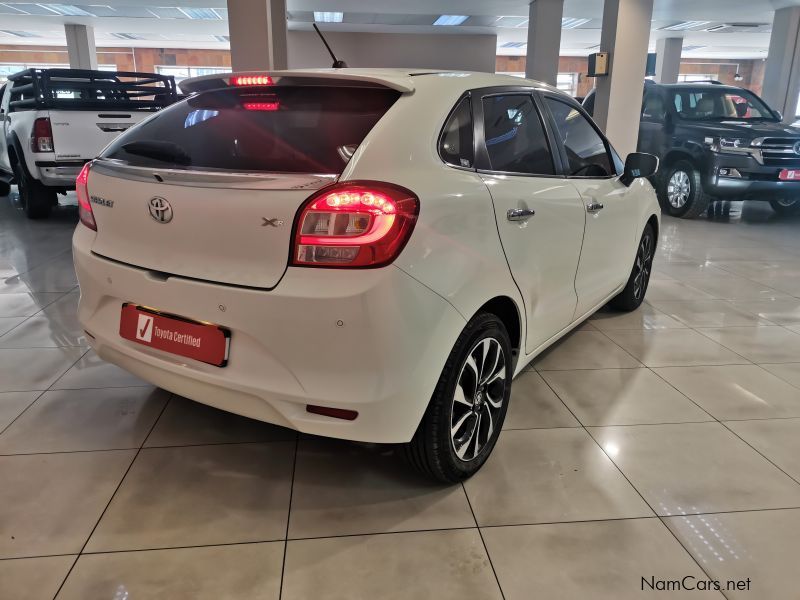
column 611, row 212
column 539, row 214
column 209, row 187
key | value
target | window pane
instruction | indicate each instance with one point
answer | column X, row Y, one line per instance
column 515, row 138
column 712, row 103
column 280, row 129
column 456, row 145
column 586, row 150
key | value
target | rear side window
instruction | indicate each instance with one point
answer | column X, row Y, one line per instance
column 280, row 129
column 456, row 147
column 514, row 135
column 586, row 149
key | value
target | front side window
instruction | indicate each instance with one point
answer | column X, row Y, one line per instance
column 456, row 147
column 514, row 136
column 710, row 104
column 587, row 153
column 653, row 108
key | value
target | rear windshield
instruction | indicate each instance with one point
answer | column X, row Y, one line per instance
column 278, row 129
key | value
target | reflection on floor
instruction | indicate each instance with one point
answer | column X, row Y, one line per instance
column 657, row 445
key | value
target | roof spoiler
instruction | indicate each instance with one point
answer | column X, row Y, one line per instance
column 315, row 77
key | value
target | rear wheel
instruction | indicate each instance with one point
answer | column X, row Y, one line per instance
column 680, row 191
column 466, row 413
column 786, row 206
column 632, row 296
column 37, row 200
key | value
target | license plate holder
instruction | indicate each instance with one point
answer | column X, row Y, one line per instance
column 789, row 175
column 204, row 342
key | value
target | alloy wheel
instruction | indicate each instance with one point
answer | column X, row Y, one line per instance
column 478, row 399
column 678, row 189
column 642, row 267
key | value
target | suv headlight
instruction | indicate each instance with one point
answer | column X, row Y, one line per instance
column 728, row 145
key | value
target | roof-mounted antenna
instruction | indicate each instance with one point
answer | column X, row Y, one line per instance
column 337, row 64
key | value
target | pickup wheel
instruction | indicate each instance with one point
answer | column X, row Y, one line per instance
column 466, row 413
column 786, row 206
column 632, row 296
column 37, row 200
column 680, row 191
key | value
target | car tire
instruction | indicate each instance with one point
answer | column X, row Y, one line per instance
column 632, row 296
column 37, row 200
column 466, row 413
column 680, row 191
column 786, row 206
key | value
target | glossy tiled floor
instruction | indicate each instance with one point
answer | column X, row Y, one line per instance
column 663, row 443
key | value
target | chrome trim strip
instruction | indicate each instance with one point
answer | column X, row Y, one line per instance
column 214, row 179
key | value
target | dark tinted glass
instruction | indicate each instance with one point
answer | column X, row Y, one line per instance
column 515, row 138
column 710, row 103
column 586, row 150
column 456, row 143
column 280, row 129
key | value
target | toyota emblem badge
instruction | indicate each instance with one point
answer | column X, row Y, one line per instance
column 160, row 209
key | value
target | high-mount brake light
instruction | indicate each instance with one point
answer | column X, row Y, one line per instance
column 84, row 204
column 244, row 80
column 262, row 106
column 42, row 139
column 354, row 224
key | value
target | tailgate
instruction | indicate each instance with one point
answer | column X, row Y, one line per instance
column 233, row 229
column 82, row 134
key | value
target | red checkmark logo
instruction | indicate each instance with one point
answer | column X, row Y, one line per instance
column 144, row 329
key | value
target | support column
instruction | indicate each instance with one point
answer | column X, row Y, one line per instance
column 782, row 74
column 625, row 36
column 257, row 30
column 668, row 59
column 544, row 40
column 80, row 46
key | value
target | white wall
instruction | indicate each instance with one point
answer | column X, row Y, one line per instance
column 416, row 50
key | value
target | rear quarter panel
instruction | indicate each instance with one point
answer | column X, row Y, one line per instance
column 455, row 247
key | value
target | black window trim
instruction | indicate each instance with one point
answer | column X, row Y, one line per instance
column 543, row 94
column 482, row 161
column 466, row 95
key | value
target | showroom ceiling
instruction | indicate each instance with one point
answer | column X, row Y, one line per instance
column 711, row 28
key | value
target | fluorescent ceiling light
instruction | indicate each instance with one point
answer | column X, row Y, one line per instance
column 571, row 23
column 67, row 10
column 514, row 45
column 203, row 14
column 22, row 34
column 684, row 25
column 328, row 17
column 450, row 20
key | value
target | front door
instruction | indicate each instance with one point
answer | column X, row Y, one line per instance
column 609, row 243
column 540, row 215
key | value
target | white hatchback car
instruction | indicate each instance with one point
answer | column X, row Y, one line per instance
column 362, row 254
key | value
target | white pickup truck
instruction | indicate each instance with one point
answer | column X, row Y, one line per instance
column 55, row 120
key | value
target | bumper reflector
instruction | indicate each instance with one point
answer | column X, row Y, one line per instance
column 336, row 413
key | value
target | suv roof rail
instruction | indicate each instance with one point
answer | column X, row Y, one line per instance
column 711, row 81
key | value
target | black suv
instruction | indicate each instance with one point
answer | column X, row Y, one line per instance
column 717, row 142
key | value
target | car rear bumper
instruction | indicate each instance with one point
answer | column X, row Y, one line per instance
column 373, row 341
column 55, row 175
column 746, row 179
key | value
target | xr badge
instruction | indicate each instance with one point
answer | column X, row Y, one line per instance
column 271, row 222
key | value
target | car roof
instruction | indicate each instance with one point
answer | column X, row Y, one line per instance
column 402, row 80
column 698, row 84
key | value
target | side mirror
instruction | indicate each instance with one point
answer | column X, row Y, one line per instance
column 639, row 164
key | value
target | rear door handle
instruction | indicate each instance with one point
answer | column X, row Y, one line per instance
column 594, row 206
column 520, row 214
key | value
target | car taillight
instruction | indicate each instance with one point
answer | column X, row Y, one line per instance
column 84, row 205
column 354, row 224
column 242, row 80
column 262, row 106
column 42, row 140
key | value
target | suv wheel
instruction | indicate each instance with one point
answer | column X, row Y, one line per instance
column 37, row 200
column 632, row 296
column 786, row 206
column 680, row 191
column 466, row 413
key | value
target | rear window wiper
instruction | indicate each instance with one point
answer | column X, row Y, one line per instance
column 161, row 151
